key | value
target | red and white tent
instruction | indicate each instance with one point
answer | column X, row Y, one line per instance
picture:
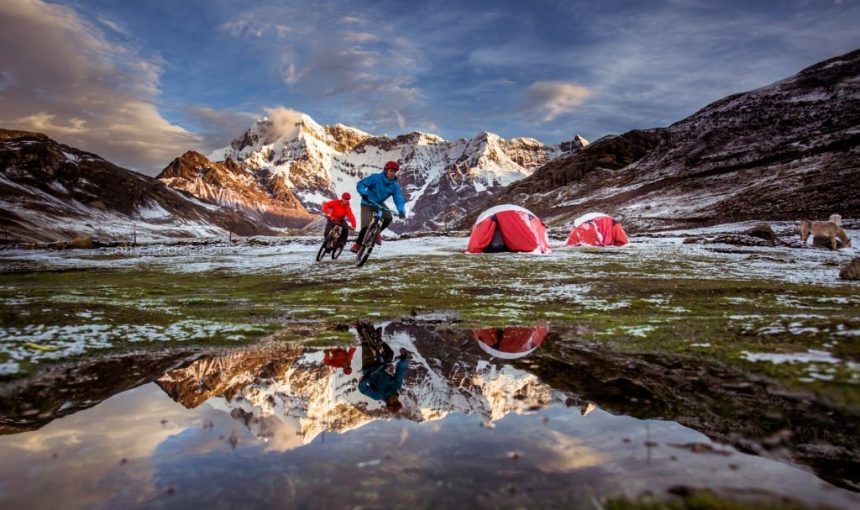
column 596, row 229
column 511, row 342
column 508, row 228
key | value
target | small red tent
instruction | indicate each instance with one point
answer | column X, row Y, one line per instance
column 511, row 342
column 508, row 228
column 596, row 229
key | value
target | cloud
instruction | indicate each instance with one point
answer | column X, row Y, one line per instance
column 552, row 99
column 217, row 128
column 246, row 25
column 64, row 78
column 401, row 120
column 284, row 121
column 364, row 75
column 116, row 27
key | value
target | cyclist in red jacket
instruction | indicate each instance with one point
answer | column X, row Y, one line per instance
column 337, row 211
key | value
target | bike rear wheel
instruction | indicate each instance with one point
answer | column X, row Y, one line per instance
column 367, row 244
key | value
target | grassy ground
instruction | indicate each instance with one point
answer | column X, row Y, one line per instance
column 674, row 303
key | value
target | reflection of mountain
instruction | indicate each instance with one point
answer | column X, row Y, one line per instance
column 68, row 388
column 291, row 385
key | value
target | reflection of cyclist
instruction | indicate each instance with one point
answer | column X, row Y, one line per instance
column 376, row 381
column 339, row 358
column 379, row 188
column 338, row 211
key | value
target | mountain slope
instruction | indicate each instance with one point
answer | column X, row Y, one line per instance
column 50, row 192
column 266, row 199
column 785, row 151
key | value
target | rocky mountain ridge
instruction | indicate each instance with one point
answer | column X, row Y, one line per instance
column 314, row 163
column 786, row 151
column 52, row 192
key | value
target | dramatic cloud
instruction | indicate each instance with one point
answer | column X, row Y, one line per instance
column 366, row 75
column 217, row 128
column 62, row 77
column 284, row 121
column 552, row 99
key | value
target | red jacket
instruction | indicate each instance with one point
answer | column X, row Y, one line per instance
column 336, row 211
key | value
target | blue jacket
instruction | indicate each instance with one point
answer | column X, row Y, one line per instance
column 378, row 187
column 378, row 385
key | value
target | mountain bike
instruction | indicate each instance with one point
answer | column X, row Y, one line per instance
column 330, row 243
column 373, row 230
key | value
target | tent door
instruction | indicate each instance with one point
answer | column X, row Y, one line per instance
column 497, row 244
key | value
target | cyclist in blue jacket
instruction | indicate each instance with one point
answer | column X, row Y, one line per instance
column 379, row 188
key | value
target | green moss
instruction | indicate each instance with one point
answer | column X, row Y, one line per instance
column 705, row 500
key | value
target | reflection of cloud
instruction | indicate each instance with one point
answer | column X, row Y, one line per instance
column 568, row 454
column 127, row 426
column 72, row 83
column 555, row 98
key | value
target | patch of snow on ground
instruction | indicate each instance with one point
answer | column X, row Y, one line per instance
column 810, row 356
column 50, row 342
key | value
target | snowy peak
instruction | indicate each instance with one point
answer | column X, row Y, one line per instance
column 577, row 143
column 316, row 163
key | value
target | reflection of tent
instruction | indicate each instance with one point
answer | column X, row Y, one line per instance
column 511, row 342
column 596, row 229
column 508, row 228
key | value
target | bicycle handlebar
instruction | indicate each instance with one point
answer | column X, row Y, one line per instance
column 378, row 206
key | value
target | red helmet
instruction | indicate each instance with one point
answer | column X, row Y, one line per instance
column 392, row 165
column 346, row 196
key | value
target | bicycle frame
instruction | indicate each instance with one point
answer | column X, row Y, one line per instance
column 373, row 228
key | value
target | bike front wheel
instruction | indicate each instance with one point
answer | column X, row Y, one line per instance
column 323, row 250
column 367, row 244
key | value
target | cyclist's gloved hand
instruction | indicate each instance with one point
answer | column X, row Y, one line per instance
column 365, row 197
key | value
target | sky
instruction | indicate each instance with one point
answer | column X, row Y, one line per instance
column 139, row 83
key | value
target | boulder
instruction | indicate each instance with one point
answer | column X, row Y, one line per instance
column 763, row 231
column 851, row 270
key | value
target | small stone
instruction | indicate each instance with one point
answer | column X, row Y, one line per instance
column 851, row 271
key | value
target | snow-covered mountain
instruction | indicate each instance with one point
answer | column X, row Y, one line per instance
column 786, row 151
column 289, row 388
column 296, row 157
column 53, row 192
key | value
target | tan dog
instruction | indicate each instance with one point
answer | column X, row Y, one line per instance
column 824, row 229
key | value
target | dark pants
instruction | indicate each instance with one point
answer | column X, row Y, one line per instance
column 344, row 231
column 367, row 216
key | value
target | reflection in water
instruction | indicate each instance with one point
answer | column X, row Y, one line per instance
column 288, row 391
column 381, row 375
column 510, row 342
column 248, row 428
column 339, row 358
